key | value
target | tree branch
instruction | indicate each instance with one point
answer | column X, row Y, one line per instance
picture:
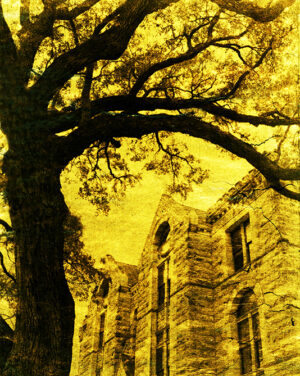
column 256, row 12
column 85, row 95
column 109, row 164
column 5, row 225
column 24, row 11
column 190, row 54
column 278, row 187
column 282, row 139
column 5, row 330
column 31, row 36
column 245, row 74
column 109, row 45
column 8, row 55
column 59, row 122
column 5, row 270
column 65, row 14
column 169, row 153
column 107, row 125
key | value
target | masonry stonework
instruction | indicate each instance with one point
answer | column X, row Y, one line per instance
column 214, row 293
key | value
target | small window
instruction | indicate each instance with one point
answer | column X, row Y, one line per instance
column 240, row 243
column 249, row 334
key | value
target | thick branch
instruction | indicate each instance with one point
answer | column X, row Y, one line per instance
column 65, row 14
column 278, row 187
column 107, row 126
column 24, row 11
column 7, row 54
column 31, row 36
column 109, row 45
column 33, row 33
column 62, row 122
column 250, row 9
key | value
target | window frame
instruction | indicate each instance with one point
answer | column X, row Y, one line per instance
column 162, row 352
column 102, row 330
column 240, row 253
column 161, row 286
column 253, row 342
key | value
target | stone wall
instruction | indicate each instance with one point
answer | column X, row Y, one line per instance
column 176, row 314
column 273, row 275
column 106, row 335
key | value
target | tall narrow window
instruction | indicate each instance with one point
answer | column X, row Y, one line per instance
column 240, row 243
column 101, row 334
column 168, row 350
column 237, row 248
column 161, row 285
column 168, row 291
column 247, row 237
column 159, row 354
column 249, row 334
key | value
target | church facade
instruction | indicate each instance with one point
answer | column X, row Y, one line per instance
column 214, row 293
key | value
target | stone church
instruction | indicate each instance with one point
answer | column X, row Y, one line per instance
column 215, row 293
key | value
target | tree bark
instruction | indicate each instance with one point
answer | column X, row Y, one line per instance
column 6, row 341
column 45, row 312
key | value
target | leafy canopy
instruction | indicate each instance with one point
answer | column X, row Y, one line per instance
column 102, row 71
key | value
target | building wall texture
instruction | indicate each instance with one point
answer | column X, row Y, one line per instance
column 214, row 293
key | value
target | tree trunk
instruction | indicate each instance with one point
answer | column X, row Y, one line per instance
column 45, row 313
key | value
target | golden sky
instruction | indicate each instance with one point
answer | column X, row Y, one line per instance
column 123, row 232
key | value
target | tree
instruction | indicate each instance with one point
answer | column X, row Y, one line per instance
column 128, row 89
column 78, row 266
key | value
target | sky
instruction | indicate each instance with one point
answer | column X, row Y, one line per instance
column 122, row 233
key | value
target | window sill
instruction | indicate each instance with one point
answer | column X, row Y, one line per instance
column 245, row 268
column 258, row 372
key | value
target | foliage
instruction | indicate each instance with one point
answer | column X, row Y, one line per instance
column 196, row 60
column 79, row 269
column 106, row 84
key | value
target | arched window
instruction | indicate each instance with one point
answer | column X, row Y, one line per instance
column 249, row 334
column 104, row 289
column 162, row 234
